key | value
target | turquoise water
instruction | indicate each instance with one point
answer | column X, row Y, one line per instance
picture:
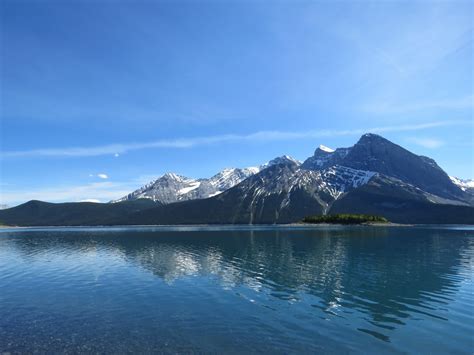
column 237, row 290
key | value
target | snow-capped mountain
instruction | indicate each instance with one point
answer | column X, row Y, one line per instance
column 327, row 176
column 172, row 187
column 168, row 188
column 374, row 176
column 375, row 153
column 287, row 185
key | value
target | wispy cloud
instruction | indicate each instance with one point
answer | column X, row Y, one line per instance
column 181, row 143
column 100, row 176
column 430, row 143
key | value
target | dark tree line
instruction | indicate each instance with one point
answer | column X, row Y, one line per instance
column 345, row 219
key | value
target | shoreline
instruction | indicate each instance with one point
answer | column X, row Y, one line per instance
column 247, row 226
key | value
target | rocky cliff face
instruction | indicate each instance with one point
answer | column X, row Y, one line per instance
column 324, row 157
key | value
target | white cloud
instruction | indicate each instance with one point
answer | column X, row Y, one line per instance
column 430, row 143
column 100, row 176
column 90, row 200
column 182, row 143
column 116, row 155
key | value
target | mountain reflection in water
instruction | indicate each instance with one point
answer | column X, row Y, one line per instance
column 380, row 283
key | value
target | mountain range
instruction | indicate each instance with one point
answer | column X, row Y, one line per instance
column 172, row 187
column 375, row 176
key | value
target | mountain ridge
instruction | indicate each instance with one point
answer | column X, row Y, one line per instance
column 374, row 176
column 172, row 187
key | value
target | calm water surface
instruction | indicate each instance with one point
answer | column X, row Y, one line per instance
column 237, row 290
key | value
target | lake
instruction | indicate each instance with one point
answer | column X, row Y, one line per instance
column 261, row 289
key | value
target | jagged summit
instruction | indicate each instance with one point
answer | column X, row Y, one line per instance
column 173, row 176
column 371, row 135
column 372, row 138
column 373, row 152
column 284, row 159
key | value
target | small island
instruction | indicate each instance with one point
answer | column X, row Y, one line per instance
column 345, row 219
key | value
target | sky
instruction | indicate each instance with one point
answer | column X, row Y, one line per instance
column 99, row 97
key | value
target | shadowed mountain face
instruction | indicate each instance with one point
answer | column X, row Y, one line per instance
column 39, row 213
column 375, row 153
column 375, row 176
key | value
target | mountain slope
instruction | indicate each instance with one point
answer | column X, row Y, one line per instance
column 466, row 185
column 39, row 213
column 403, row 203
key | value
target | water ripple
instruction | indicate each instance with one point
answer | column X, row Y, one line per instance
column 237, row 290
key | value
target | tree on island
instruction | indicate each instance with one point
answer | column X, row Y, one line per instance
column 345, row 219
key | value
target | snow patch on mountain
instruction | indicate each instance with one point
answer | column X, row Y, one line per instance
column 216, row 193
column 464, row 184
column 333, row 181
column 326, row 149
column 337, row 180
column 192, row 186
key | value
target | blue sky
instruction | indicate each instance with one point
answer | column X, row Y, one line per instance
column 98, row 97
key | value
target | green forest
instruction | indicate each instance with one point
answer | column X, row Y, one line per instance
column 345, row 219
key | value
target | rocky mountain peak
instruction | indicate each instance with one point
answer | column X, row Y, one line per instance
column 324, row 157
column 172, row 176
column 372, row 138
column 375, row 153
column 284, row 159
